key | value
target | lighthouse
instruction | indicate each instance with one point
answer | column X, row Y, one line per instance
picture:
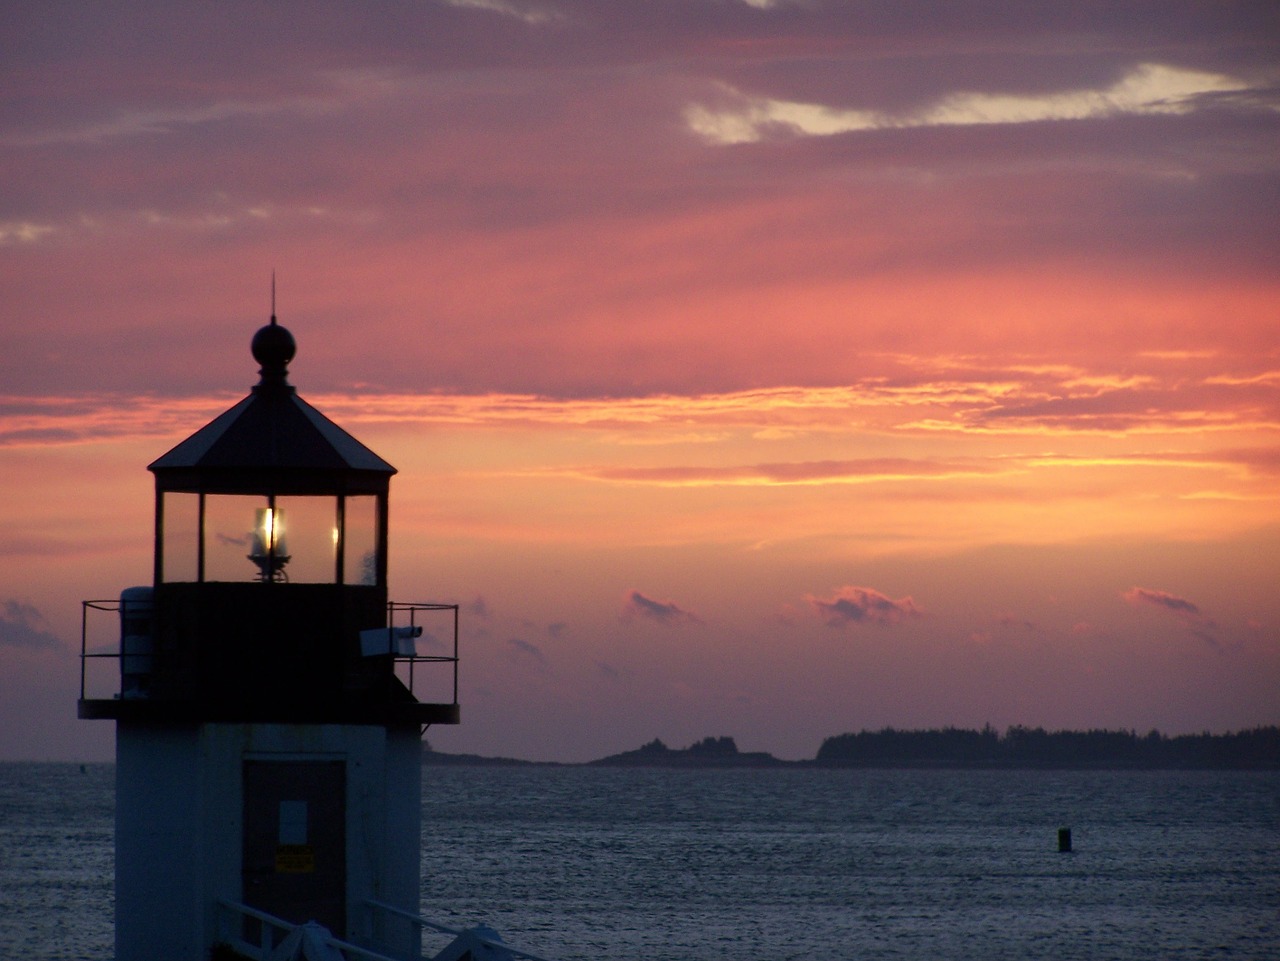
column 268, row 729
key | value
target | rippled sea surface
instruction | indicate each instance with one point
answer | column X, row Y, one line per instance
column 598, row 863
column 759, row 865
column 56, row 861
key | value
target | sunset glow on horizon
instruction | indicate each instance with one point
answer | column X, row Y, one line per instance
column 771, row 370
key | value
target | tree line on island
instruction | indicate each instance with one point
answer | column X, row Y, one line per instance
column 1035, row 747
column 950, row 747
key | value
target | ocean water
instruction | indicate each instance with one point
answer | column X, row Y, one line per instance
column 56, row 861
column 759, row 865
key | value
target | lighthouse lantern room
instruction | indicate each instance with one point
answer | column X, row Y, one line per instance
column 267, row 727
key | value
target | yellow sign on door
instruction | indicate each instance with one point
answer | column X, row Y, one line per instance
column 295, row 859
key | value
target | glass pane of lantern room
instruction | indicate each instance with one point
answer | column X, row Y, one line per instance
column 180, row 546
column 309, row 529
column 360, row 542
column 230, row 521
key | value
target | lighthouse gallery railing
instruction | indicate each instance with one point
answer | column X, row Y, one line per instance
column 132, row 652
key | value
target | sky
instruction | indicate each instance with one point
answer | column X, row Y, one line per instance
column 762, row 369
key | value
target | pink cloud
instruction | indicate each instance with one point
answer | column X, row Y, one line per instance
column 862, row 605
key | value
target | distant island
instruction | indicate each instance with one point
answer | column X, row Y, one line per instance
column 949, row 747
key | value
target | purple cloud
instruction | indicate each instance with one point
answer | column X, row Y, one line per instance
column 1010, row 620
column 664, row 612
column 526, row 651
column 188, row 101
column 1163, row 599
column 1201, row 626
column 862, row 605
column 22, row 625
column 608, row 671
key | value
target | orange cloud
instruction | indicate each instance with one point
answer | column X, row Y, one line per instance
column 802, row 473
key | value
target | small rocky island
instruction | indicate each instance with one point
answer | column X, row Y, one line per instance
column 709, row 752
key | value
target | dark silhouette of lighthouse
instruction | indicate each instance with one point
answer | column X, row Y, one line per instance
column 267, row 729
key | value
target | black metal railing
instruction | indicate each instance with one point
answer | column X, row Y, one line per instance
column 406, row 628
column 112, row 606
column 413, row 615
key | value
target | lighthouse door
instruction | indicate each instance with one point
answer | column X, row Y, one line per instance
column 295, row 841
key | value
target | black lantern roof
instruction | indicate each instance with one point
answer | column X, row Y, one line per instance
column 272, row 442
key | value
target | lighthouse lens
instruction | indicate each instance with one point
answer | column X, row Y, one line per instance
column 305, row 527
column 233, row 534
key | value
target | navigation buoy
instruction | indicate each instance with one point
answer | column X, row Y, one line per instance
column 1064, row 840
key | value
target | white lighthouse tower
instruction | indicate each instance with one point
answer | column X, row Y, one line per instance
column 267, row 729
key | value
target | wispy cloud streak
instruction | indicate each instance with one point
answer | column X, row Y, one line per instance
column 1149, row 88
column 953, row 397
column 800, row 473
